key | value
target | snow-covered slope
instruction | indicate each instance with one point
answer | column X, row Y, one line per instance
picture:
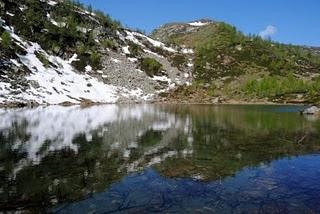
column 30, row 72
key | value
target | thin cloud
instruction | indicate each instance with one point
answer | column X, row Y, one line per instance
column 268, row 32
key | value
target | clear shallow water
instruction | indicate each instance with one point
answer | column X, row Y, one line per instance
column 160, row 158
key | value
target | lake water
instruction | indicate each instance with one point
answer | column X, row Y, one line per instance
column 159, row 158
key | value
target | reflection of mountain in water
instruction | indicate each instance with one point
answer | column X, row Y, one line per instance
column 52, row 155
column 45, row 129
column 265, row 189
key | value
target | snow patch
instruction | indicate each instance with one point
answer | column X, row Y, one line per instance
column 198, row 24
column 130, row 36
column 132, row 59
column 15, row 62
column 10, row 14
column 187, row 51
column 115, row 60
column 155, row 43
column 162, row 79
column 52, row 3
column 88, row 68
column 126, row 50
column 57, row 86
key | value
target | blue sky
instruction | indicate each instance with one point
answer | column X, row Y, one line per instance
column 288, row 21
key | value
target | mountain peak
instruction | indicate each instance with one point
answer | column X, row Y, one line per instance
column 200, row 22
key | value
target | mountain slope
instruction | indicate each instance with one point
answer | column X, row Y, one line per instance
column 231, row 65
column 55, row 52
column 59, row 52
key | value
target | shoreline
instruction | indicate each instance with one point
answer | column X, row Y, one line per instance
column 88, row 104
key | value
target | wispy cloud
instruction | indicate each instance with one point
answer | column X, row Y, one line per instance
column 268, row 32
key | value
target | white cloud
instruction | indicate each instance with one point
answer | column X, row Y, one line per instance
column 268, row 32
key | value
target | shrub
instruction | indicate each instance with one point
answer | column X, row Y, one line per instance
column 95, row 58
column 85, row 59
column 151, row 66
column 134, row 49
column 5, row 40
column 178, row 60
column 43, row 59
column 108, row 43
column 82, row 62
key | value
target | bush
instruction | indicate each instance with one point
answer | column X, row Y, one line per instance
column 108, row 43
column 43, row 59
column 5, row 40
column 151, row 66
column 95, row 58
column 134, row 50
column 85, row 59
column 178, row 60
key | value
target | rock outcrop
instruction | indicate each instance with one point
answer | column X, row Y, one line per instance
column 314, row 110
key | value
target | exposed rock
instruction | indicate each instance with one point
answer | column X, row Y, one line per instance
column 314, row 110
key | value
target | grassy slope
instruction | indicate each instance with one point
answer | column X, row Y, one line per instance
column 232, row 65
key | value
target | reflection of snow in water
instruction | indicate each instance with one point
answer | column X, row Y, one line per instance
column 60, row 125
column 57, row 124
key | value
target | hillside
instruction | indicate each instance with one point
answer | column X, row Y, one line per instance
column 60, row 52
column 229, row 65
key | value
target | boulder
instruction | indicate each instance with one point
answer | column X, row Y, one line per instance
column 314, row 110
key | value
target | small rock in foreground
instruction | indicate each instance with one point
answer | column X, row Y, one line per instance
column 314, row 110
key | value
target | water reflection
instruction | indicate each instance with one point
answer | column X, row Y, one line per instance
column 265, row 189
column 57, row 155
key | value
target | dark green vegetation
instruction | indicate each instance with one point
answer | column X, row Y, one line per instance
column 151, row 66
column 224, row 56
column 62, row 29
column 178, row 60
column 5, row 40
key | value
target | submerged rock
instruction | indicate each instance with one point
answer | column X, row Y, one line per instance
column 314, row 110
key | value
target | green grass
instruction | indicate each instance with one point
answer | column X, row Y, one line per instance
column 273, row 86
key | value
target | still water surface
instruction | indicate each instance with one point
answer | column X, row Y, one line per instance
column 159, row 158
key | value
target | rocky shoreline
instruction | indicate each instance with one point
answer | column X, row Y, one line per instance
column 87, row 103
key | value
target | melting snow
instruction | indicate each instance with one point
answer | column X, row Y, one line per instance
column 198, row 24
column 161, row 78
column 88, row 68
column 10, row 14
column 115, row 60
column 126, row 50
column 57, row 86
column 52, row 3
column 15, row 62
column 154, row 42
column 132, row 59
column 130, row 36
column 187, row 51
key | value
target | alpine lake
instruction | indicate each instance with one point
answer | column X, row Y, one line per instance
column 150, row 158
